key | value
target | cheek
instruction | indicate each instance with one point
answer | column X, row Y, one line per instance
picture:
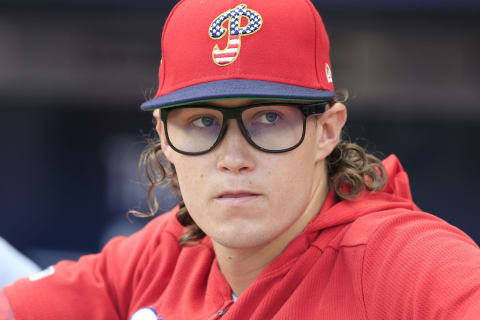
column 298, row 171
column 194, row 178
column 191, row 176
column 289, row 187
column 290, row 180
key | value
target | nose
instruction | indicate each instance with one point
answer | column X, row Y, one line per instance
column 234, row 153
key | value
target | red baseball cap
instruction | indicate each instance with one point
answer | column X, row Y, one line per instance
column 259, row 49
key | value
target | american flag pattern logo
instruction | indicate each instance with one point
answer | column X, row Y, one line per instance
column 233, row 17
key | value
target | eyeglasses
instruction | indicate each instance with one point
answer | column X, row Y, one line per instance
column 269, row 127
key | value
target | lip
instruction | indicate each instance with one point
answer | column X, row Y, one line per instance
column 236, row 197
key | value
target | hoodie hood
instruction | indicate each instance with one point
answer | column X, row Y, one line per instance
column 396, row 195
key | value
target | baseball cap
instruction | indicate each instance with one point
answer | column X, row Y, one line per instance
column 258, row 49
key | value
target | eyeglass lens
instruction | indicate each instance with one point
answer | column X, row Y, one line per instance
column 272, row 127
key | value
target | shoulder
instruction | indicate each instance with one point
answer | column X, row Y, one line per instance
column 416, row 263
column 394, row 223
column 160, row 229
column 414, row 239
column 401, row 242
column 125, row 266
column 158, row 238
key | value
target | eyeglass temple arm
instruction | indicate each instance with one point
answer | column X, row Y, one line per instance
column 314, row 108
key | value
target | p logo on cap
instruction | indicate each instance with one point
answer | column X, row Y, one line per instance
column 235, row 31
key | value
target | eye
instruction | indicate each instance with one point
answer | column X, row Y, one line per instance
column 269, row 117
column 204, row 122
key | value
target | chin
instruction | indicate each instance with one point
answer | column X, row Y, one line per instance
column 242, row 243
column 236, row 239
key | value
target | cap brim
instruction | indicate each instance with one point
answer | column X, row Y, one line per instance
column 236, row 88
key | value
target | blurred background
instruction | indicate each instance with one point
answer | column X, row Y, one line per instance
column 73, row 74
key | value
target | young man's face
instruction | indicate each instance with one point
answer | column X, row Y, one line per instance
column 243, row 197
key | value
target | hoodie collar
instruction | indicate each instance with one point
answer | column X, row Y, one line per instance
column 396, row 194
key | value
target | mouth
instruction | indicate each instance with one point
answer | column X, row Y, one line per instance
column 235, row 198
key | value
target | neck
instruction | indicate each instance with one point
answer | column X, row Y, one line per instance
column 241, row 266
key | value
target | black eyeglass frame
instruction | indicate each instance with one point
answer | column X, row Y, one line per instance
column 236, row 113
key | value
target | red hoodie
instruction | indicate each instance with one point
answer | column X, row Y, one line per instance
column 378, row 257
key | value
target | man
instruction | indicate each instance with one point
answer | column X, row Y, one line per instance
column 278, row 218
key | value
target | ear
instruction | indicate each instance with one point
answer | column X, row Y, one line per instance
column 166, row 149
column 329, row 129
